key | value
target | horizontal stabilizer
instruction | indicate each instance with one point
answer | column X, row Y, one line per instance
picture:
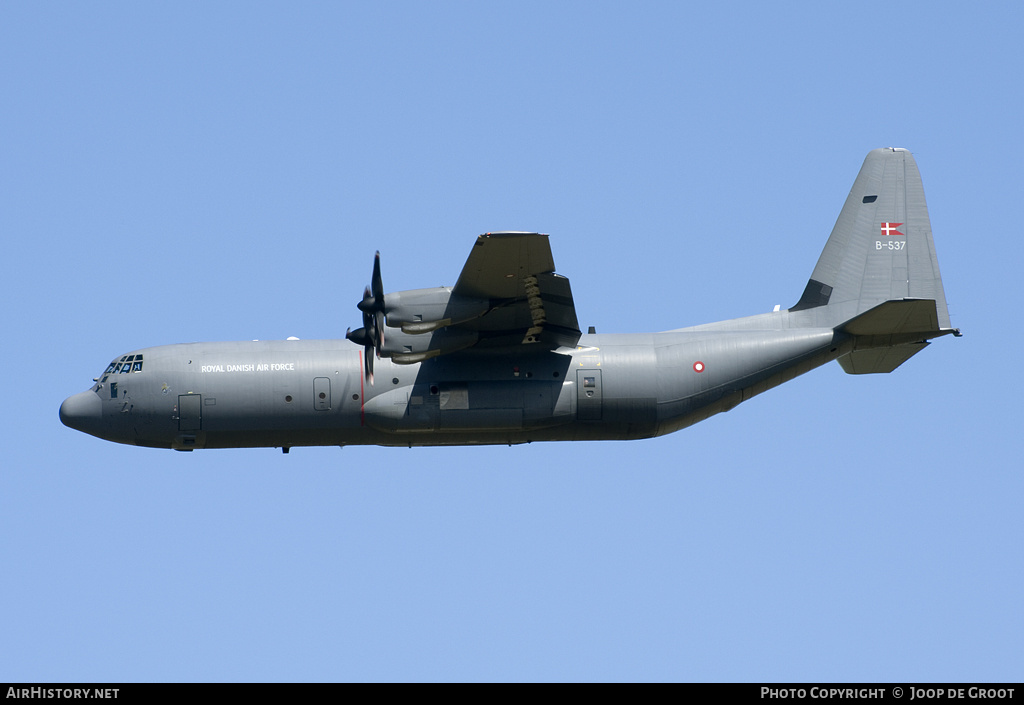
column 863, row 362
column 896, row 317
column 887, row 335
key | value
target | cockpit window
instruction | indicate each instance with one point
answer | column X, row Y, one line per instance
column 127, row 363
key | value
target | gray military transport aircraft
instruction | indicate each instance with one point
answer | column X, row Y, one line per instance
column 499, row 357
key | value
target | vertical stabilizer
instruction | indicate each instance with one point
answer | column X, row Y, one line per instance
column 881, row 247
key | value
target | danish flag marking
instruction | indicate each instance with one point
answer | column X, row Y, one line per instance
column 890, row 229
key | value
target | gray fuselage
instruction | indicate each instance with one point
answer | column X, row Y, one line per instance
column 298, row 392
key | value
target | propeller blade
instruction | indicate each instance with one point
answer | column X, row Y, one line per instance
column 369, row 325
column 377, row 285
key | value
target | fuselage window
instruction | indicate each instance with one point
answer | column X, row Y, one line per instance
column 137, row 367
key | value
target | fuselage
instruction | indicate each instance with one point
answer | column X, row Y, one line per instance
column 313, row 392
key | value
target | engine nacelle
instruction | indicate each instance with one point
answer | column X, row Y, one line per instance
column 406, row 349
column 420, row 311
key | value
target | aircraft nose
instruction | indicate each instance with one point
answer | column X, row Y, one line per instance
column 82, row 412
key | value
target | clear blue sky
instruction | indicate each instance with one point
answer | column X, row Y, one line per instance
column 176, row 172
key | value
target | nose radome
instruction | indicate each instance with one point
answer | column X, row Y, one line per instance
column 82, row 412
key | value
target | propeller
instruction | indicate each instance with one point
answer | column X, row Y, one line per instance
column 373, row 302
column 371, row 335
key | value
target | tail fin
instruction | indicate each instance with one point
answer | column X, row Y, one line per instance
column 881, row 250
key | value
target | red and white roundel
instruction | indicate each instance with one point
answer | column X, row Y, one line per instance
column 698, row 366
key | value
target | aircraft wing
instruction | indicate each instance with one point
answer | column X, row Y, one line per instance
column 529, row 303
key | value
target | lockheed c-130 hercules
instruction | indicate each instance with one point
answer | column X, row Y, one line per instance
column 500, row 358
